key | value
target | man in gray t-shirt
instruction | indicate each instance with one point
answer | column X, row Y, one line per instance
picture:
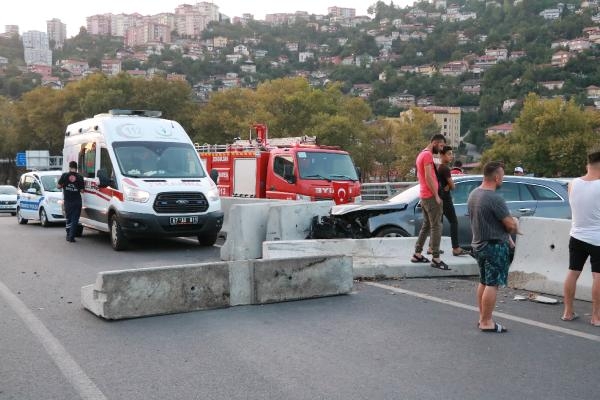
column 492, row 225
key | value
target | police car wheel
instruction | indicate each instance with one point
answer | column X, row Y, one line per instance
column 117, row 237
column 44, row 218
column 20, row 218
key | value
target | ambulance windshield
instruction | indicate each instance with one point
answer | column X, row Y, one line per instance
column 158, row 160
column 325, row 165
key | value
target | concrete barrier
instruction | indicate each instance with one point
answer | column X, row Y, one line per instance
column 376, row 257
column 252, row 223
column 166, row 290
column 228, row 202
column 541, row 258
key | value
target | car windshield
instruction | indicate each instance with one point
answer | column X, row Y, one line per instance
column 325, row 165
column 406, row 196
column 158, row 159
column 49, row 183
column 8, row 190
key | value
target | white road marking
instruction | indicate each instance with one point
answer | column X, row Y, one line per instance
column 67, row 365
column 456, row 304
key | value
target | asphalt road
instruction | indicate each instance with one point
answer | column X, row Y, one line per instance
column 407, row 339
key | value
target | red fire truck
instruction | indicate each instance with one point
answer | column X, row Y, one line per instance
column 282, row 168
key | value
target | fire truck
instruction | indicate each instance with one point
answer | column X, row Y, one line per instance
column 282, row 168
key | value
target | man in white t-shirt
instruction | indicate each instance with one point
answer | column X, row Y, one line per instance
column 585, row 237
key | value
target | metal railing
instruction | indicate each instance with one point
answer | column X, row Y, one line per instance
column 383, row 190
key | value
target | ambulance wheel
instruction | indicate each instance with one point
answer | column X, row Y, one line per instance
column 20, row 218
column 13, row 214
column 117, row 237
column 44, row 218
column 207, row 239
column 79, row 231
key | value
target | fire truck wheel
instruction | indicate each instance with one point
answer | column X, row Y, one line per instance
column 208, row 239
column 117, row 237
column 392, row 231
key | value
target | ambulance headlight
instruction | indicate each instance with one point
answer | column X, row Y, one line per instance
column 134, row 194
column 213, row 194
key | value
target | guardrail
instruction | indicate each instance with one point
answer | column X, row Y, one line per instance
column 383, row 190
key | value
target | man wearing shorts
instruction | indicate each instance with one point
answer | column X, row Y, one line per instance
column 584, row 193
column 492, row 225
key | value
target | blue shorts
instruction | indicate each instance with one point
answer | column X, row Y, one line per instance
column 493, row 261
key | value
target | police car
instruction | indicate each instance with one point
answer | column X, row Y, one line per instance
column 38, row 198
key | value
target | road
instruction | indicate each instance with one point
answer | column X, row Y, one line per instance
column 405, row 339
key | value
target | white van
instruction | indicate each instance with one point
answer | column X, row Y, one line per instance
column 143, row 178
column 38, row 198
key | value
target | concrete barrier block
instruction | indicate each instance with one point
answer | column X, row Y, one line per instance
column 301, row 278
column 541, row 258
column 228, row 202
column 292, row 221
column 375, row 257
column 161, row 290
column 248, row 229
column 241, row 277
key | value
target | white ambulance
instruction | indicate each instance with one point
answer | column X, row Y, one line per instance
column 143, row 178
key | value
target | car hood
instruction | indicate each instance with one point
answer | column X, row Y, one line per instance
column 5, row 197
column 350, row 208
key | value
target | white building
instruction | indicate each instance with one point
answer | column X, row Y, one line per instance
column 57, row 32
column 36, row 48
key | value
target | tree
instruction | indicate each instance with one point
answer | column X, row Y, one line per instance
column 550, row 138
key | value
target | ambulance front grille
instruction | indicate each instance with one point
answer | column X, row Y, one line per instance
column 180, row 203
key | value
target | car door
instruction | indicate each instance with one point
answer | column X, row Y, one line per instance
column 519, row 199
column 551, row 202
column 28, row 198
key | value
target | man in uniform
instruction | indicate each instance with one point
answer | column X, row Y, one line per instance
column 72, row 185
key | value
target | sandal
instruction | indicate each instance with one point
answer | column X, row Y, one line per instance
column 440, row 265
column 496, row 329
column 461, row 252
column 419, row 259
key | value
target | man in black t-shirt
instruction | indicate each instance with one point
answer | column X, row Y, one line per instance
column 72, row 185
column 446, row 185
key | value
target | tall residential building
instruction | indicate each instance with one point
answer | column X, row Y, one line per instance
column 119, row 23
column 448, row 118
column 57, row 31
column 191, row 20
column 10, row 30
column 146, row 33
column 36, row 48
column 99, row 24
column 341, row 12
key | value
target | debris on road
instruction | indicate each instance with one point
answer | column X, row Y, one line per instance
column 542, row 299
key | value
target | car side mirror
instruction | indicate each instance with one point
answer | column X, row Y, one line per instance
column 103, row 179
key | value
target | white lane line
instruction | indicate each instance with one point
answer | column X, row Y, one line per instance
column 67, row 365
column 526, row 321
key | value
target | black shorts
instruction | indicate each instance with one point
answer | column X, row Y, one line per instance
column 579, row 251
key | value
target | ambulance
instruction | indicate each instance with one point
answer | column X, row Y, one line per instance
column 143, row 178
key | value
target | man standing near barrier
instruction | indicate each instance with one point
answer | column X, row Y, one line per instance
column 72, row 185
column 431, row 204
column 492, row 225
column 584, row 193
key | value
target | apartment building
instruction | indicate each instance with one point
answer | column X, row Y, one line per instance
column 36, row 48
column 341, row 12
column 146, row 33
column 57, row 32
column 448, row 118
column 99, row 24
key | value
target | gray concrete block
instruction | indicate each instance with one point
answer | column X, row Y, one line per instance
column 162, row 290
column 240, row 282
column 287, row 279
column 292, row 221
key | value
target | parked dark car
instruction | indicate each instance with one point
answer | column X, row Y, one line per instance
column 401, row 214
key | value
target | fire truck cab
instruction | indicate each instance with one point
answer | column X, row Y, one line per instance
column 283, row 168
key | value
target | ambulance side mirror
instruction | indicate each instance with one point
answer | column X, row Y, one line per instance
column 103, row 179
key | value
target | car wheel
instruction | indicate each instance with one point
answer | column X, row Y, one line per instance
column 207, row 239
column 392, row 232
column 44, row 218
column 117, row 237
column 13, row 214
column 20, row 218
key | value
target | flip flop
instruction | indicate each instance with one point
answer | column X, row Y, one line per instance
column 462, row 252
column 597, row 325
column 496, row 329
column 574, row 316
column 419, row 259
column 440, row 265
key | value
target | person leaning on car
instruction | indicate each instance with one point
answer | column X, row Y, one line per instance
column 72, row 185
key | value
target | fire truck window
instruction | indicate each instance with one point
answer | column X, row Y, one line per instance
column 283, row 166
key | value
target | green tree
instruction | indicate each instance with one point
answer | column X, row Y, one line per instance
column 550, row 138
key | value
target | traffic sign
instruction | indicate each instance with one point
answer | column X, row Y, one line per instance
column 21, row 159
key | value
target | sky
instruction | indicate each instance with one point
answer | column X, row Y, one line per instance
column 33, row 14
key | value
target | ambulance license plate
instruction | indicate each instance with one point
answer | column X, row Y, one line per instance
column 184, row 220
